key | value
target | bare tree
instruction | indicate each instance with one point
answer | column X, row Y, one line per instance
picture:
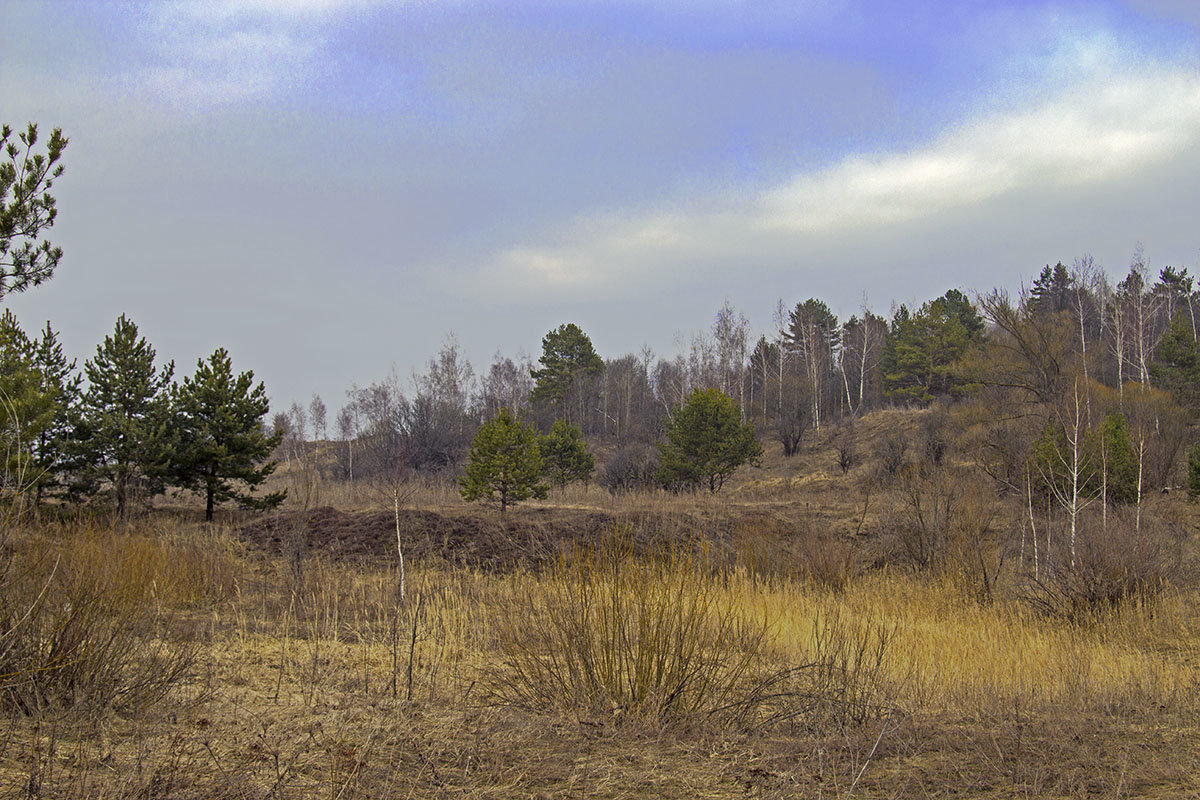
column 813, row 335
column 384, row 449
column 317, row 414
column 731, row 330
column 1072, row 494
column 861, row 351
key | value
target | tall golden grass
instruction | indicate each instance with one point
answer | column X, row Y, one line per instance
column 265, row 647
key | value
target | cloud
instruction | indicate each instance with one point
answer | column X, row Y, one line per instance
column 227, row 52
column 1100, row 130
column 1084, row 137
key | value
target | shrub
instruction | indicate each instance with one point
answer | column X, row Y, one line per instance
column 1112, row 567
column 631, row 469
column 82, row 625
column 892, row 454
column 609, row 632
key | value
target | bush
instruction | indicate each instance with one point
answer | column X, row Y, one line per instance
column 631, row 469
column 82, row 625
column 1112, row 568
column 892, row 454
column 935, row 438
column 609, row 632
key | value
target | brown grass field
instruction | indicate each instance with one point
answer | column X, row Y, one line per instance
column 771, row 641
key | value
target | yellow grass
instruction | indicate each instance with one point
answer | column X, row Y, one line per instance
column 300, row 658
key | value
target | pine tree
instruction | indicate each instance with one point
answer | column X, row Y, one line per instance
column 27, row 208
column 921, row 356
column 26, row 409
column 565, row 457
column 122, row 434
column 706, row 442
column 569, row 364
column 61, row 381
column 1119, row 461
column 1176, row 365
column 504, row 464
column 1193, row 473
column 220, row 441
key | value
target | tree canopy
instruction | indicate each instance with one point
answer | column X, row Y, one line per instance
column 565, row 457
column 920, row 357
column 706, row 441
column 504, row 465
column 27, row 208
column 220, row 438
column 568, row 360
column 122, row 433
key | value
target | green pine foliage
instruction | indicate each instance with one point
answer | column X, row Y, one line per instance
column 27, row 208
column 220, row 445
column 62, row 382
column 1176, row 366
column 921, row 355
column 568, row 359
column 1107, row 461
column 504, row 465
column 1193, row 472
column 1119, row 459
column 565, row 457
column 27, row 409
column 706, row 442
column 122, row 439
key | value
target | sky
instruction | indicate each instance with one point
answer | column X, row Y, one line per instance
column 330, row 188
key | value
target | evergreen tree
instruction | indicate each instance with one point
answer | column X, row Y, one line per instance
column 61, row 381
column 220, row 441
column 26, row 409
column 1052, row 291
column 706, row 442
column 1193, row 473
column 1176, row 366
column 122, row 435
column 570, row 366
column 27, row 208
column 1119, row 460
column 921, row 356
column 565, row 457
column 504, row 464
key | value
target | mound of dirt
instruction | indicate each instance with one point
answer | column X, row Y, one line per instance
column 530, row 538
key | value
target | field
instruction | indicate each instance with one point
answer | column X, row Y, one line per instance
column 781, row 639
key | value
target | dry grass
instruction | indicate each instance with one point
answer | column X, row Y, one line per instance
column 803, row 666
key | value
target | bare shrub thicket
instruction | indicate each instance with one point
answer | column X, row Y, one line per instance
column 829, row 560
column 670, row 637
column 611, row 632
column 631, row 469
column 845, row 682
column 945, row 520
column 891, row 455
column 82, row 620
column 1115, row 565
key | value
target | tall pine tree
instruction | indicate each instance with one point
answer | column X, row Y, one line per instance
column 122, row 436
column 220, row 444
column 61, row 381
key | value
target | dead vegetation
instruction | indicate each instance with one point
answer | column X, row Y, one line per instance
column 811, row 634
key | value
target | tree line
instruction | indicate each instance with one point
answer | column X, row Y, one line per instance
column 808, row 373
column 121, row 429
column 1060, row 377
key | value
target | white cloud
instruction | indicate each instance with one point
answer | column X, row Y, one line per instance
column 1100, row 130
column 1081, row 138
column 223, row 52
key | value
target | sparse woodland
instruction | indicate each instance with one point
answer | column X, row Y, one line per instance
column 947, row 553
